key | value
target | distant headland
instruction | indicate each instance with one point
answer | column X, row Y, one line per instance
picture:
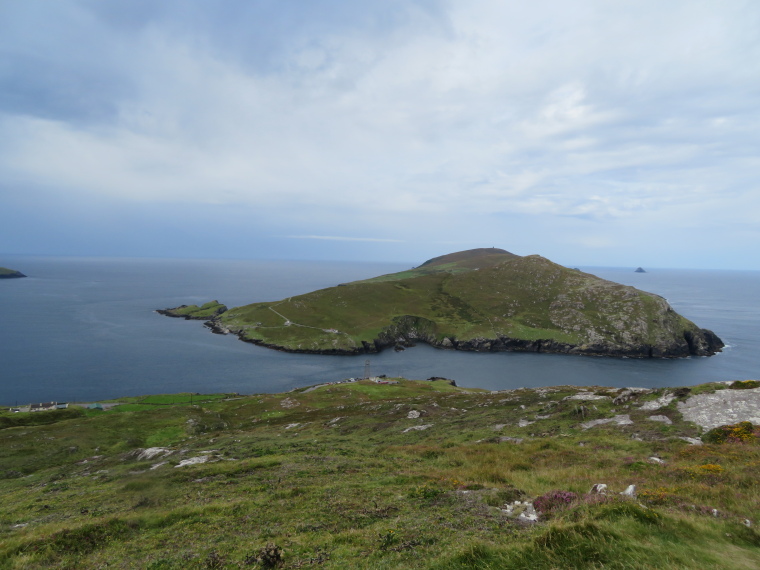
column 6, row 273
column 485, row 300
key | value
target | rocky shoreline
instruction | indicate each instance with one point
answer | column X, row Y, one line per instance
column 406, row 332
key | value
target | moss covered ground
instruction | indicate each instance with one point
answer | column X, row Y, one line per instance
column 365, row 475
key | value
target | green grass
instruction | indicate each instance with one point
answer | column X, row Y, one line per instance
column 5, row 272
column 334, row 478
column 527, row 299
column 205, row 311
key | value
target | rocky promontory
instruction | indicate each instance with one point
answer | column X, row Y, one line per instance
column 194, row 312
column 484, row 300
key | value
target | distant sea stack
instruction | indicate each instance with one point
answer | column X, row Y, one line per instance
column 484, row 300
column 639, row 270
column 6, row 273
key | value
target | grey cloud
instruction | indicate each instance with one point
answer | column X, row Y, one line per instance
column 551, row 113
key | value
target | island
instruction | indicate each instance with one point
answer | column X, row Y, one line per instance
column 639, row 270
column 6, row 273
column 483, row 299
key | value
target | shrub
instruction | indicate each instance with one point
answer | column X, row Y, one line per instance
column 268, row 557
column 553, row 501
column 743, row 432
column 745, row 384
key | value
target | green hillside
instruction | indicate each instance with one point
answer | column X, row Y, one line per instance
column 484, row 300
column 413, row 474
column 6, row 273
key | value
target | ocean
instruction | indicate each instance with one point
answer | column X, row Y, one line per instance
column 85, row 329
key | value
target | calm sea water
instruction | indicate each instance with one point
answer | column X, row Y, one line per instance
column 81, row 329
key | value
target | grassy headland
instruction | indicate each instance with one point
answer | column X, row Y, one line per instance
column 364, row 475
column 206, row 311
column 6, row 273
column 483, row 300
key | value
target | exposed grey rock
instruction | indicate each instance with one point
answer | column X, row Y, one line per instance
column 522, row 511
column 663, row 419
column 660, row 402
column 630, row 491
column 529, row 514
column 628, row 394
column 722, row 407
column 152, row 452
column 621, row 420
column 587, row 396
column 656, row 460
column 524, row 423
column 691, row 440
column 599, row 489
column 413, row 415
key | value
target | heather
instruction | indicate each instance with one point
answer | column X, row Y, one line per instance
column 408, row 474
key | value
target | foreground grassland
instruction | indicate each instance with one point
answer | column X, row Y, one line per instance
column 366, row 475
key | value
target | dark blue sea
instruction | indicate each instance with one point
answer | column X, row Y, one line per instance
column 83, row 329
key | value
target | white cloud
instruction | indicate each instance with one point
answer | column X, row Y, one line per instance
column 347, row 238
column 595, row 110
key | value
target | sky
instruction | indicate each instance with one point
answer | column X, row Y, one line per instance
column 594, row 133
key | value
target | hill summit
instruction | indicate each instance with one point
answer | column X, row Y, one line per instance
column 483, row 299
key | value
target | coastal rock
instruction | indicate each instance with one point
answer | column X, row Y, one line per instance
column 621, row 420
column 663, row 419
column 417, row 428
column 630, row 491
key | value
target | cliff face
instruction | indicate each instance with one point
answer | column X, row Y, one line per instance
column 483, row 300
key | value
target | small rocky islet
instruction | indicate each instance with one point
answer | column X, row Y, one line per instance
column 484, row 300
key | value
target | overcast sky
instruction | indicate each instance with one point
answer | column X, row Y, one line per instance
column 592, row 132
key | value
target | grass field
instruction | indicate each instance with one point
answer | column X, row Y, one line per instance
column 365, row 475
